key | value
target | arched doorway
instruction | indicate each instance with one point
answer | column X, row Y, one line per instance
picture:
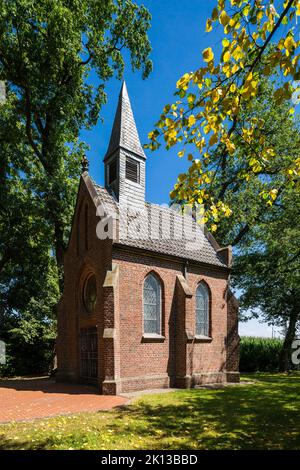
column 89, row 355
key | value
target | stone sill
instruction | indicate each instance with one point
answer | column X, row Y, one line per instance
column 200, row 338
column 148, row 338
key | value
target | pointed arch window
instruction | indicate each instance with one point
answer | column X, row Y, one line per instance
column 90, row 293
column 152, row 305
column 202, row 310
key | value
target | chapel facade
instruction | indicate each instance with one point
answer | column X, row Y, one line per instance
column 146, row 301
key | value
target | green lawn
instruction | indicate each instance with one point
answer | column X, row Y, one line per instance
column 263, row 415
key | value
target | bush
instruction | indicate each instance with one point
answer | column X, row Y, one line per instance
column 259, row 354
column 25, row 359
column 29, row 346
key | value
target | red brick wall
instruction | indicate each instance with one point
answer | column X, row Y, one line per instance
column 127, row 361
column 173, row 360
column 85, row 254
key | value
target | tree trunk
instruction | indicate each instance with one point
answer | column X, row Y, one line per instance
column 285, row 353
column 59, row 254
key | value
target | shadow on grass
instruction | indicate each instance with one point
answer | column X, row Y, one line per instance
column 265, row 415
column 23, row 444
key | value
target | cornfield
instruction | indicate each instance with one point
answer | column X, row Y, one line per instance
column 259, row 354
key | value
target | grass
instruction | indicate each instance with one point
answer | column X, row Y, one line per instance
column 261, row 415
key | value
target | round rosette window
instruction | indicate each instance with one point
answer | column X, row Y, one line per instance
column 90, row 293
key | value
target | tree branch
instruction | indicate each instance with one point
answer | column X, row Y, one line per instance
column 28, row 124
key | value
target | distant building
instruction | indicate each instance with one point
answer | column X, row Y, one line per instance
column 146, row 302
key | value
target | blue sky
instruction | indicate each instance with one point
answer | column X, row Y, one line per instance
column 178, row 37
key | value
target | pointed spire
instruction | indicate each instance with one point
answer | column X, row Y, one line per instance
column 124, row 132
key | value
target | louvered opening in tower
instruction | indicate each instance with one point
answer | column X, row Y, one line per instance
column 132, row 170
column 112, row 171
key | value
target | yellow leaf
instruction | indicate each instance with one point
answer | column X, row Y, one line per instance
column 226, row 70
column 289, row 44
column 234, row 69
column 215, row 14
column 181, row 153
column 233, row 87
column 273, row 194
column 208, row 55
column 227, row 212
column 191, row 120
column 191, row 98
column 259, row 16
column 183, row 82
column 171, row 135
column 249, row 77
column 215, row 96
column 298, row 9
column 225, row 42
column 226, row 56
column 224, row 18
column 213, row 140
column 213, row 228
column 238, row 53
column 208, row 25
column 221, row 4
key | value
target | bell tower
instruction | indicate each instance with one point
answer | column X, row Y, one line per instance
column 125, row 158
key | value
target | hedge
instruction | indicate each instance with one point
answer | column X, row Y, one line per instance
column 259, row 354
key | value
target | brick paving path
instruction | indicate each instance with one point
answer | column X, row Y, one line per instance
column 25, row 399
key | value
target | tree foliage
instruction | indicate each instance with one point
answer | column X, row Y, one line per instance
column 267, row 257
column 260, row 40
column 268, row 271
column 47, row 52
column 55, row 59
column 249, row 199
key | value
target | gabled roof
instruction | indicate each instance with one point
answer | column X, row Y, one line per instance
column 124, row 132
column 202, row 249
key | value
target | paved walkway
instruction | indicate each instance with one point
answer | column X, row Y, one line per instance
column 26, row 399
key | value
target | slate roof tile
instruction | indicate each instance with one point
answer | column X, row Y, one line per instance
column 144, row 231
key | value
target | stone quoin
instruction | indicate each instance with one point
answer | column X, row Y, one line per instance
column 146, row 301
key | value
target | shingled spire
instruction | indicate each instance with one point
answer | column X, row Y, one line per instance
column 124, row 132
column 125, row 158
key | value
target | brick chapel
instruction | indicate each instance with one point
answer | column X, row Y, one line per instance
column 146, row 302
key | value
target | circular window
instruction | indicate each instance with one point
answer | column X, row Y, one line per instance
column 90, row 293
